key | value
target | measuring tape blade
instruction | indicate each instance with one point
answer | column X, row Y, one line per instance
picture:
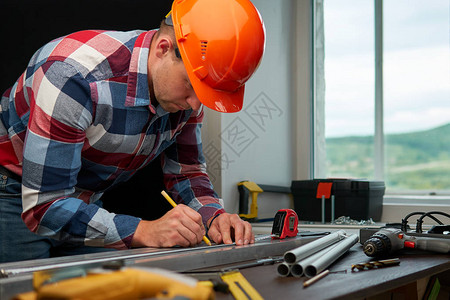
column 263, row 237
column 240, row 287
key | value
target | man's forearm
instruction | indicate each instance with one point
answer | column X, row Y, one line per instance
column 74, row 221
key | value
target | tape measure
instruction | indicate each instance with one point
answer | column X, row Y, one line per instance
column 240, row 287
column 285, row 224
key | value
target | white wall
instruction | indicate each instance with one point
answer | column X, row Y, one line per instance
column 256, row 143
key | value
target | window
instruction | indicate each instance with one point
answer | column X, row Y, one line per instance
column 385, row 93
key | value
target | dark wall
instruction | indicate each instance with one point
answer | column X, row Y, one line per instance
column 26, row 25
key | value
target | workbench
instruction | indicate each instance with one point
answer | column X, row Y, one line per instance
column 414, row 268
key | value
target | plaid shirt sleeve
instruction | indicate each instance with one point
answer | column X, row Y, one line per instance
column 185, row 174
column 60, row 111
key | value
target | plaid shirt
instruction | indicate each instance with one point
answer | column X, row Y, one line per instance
column 80, row 120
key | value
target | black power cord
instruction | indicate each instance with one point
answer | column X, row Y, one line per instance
column 404, row 227
column 429, row 214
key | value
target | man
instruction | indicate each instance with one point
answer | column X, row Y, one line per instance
column 94, row 107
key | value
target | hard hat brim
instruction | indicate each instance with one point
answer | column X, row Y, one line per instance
column 221, row 101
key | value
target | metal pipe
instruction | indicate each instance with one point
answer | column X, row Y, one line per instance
column 284, row 269
column 298, row 269
column 323, row 262
column 301, row 252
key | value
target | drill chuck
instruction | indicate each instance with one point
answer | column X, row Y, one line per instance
column 378, row 245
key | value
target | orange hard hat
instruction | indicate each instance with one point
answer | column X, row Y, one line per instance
column 221, row 43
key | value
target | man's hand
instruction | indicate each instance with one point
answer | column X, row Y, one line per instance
column 228, row 227
column 181, row 226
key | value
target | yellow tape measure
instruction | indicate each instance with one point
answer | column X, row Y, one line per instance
column 240, row 287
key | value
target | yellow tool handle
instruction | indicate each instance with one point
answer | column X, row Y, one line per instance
column 126, row 284
column 254, row 190
column 254, row 205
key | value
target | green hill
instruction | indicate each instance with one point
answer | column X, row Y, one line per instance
column 417, row 160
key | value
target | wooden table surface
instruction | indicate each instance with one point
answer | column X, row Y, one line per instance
column 351, row 285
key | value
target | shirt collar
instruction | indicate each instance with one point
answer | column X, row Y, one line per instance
column 137, row 90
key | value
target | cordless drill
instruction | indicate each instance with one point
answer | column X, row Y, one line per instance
column 389, row 240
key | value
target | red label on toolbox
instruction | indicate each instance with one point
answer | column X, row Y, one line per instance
column 324, row 189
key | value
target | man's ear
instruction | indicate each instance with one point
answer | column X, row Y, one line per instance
column 163, row 47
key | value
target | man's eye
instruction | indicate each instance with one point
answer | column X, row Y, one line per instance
column 177, row 53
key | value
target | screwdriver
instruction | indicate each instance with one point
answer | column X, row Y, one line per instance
column 205, row 239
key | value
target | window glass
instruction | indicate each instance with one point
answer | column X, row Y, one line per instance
column 417, row 94
column 349, row 87
column 416, row 91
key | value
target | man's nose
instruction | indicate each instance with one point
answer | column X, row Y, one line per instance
column 193, row 102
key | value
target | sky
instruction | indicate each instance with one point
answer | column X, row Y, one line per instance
column 416, row 66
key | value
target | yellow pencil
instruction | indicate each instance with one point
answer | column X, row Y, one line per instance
column 205, row 239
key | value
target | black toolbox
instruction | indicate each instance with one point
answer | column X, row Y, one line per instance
column 357, row 199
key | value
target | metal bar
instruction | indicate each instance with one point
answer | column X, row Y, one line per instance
column 323, row 209
column 316, row 278
column 332, row 208
column 97, row 259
